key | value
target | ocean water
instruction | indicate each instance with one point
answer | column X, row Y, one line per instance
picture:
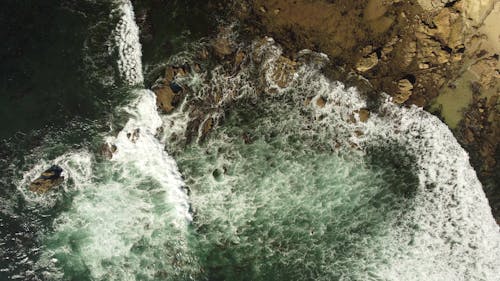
column 279, row 190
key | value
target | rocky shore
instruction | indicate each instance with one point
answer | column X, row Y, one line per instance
column 439, row 54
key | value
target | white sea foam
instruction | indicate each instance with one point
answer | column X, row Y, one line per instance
column 147, row 152
column 126, row 37
column 451, row 233
column 77, row 172
column 129, row 221
column 448, row 234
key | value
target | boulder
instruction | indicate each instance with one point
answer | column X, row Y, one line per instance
column 364, row 115
column 367, row 63
column 47, row 180
column 405, row 88
column 169, row 93
column 107, row 150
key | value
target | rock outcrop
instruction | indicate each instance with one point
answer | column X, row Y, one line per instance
column 413, row 50
column 49, row 179
column 168, row 92
column 387, row 41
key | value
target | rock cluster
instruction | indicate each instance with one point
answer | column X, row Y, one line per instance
column 390, row 42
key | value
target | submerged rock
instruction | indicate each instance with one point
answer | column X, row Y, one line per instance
column 108, row 149
column 47, row 180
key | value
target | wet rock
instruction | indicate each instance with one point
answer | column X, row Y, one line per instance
column 404, row 92
column 239, row 57
column 321, row 102
column 107, row 150
column 207, row 126
column 134, row 135
column 284, row 71
column 364, row 114
column 367, row 63
column 223, row 44
column 49, row 179
column 168, row 92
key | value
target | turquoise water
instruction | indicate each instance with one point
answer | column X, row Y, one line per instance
column 280, row 189
column 285, row 207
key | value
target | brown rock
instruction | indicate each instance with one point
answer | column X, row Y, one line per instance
column 487, row 70
column 367, row 63
column 404, row 92
column 169, row 93
column 468, row 136
column 364, row 114
column 49, row 179
column 222, row 47
column 239, row 57
column 223, row 44
column 283, row 72
column 164, row 98
column 321, row 102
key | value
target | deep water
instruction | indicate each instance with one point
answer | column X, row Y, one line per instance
column 281, row 189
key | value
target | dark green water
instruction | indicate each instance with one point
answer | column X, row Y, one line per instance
column 59, row 87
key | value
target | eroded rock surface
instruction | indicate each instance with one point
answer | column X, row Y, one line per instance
column 412, row 50
column 49, row 179
column 386, row 41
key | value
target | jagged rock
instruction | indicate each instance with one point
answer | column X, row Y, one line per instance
column 207, row 126
column 107, row 150
column 239, row 57
column 423, row 65
column 321, row 102
column 168, row 92
column 409, row 54
column 223, row 45
column 367, row 63
column 404, row 92
column 389, row 47
column 487, row 71
column 283, row 72
column 434, row 5
column 475, row 11
column 134, row 135
column 47, row 180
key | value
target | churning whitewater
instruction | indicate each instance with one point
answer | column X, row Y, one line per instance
column 280, row 190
